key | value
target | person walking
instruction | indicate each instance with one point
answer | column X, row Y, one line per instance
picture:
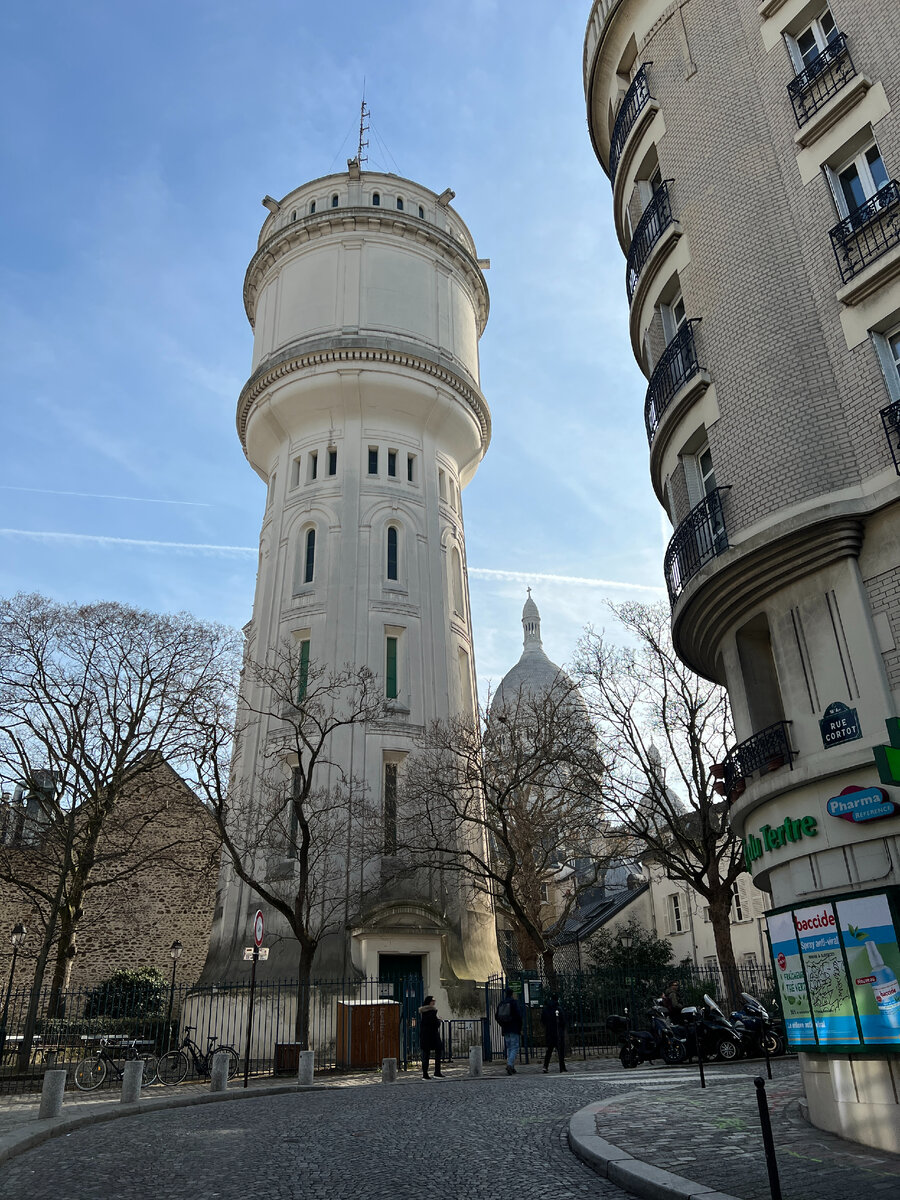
column 509, row 1017
column 554, row 1018
column 430, row 1037
column 671, row 1001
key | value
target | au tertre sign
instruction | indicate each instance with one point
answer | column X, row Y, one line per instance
column 773, row 837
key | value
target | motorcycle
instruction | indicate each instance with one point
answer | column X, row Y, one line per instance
column 757, row 1028
column 662, row 1040
column 712, row 1032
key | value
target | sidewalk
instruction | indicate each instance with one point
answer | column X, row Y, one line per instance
column 709, row 1140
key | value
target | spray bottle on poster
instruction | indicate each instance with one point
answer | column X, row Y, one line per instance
column 884, row 986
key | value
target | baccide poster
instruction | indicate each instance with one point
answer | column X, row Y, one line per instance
column 826, row 976
column 873, row 959
column 791, row 981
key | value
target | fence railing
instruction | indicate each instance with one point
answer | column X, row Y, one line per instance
column 822, row 79
column 656, row 220
column 678, row 364
column 699, row 538
column 632, row 106
column 868, row 232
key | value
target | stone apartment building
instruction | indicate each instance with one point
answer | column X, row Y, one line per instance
column 164, row 888
column 753, row 152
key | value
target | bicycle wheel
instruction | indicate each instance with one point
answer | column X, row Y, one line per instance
column 172, row 1067
column 90, row 1073
column 151, row 1066
column 234, row 1059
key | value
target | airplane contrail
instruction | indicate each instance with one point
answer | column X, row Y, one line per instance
column 10, row 487
column 214, row 548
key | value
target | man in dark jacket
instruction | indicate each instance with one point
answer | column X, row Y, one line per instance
column 554, row 1017
column 509, row 1017
column 430, row 1037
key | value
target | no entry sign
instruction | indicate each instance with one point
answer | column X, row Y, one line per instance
column 258, row 927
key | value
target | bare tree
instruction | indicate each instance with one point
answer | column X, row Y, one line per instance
column 512, row 801
column 659, row 724
column 294, row 820
column 94, row 700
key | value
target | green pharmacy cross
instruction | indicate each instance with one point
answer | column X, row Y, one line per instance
column 887, row 758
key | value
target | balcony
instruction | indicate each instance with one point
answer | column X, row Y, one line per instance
column 699, row 539
column 677, row 366
column 868, row 232
column 635, row 101
column 890, row 419
column 822, row 79
column 656, row 219
column 765, row 751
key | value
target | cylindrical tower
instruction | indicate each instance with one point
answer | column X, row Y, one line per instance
column 364, row 417
column 753, row 151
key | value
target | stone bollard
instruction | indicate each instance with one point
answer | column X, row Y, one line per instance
column 389, row 1070
column 306, row 1067
column 476, row 1062
column 218, row 1076
column 132, row 1081
column 52, row 1094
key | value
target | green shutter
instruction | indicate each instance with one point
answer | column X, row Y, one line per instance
column 390, row 680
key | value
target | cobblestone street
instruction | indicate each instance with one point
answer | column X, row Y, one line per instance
column 444, row 1139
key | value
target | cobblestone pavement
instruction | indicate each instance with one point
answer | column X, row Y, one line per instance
column 443, row 1139
column 713, row 1136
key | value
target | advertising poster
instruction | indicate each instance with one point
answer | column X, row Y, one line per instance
column 791, row 983
column 826, row 976
column 870, row 943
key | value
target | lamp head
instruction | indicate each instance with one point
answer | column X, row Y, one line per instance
column 626, row 940
column 176, row 950
column 17, row 937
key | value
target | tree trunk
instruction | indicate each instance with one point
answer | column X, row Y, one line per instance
column 304, row 976
column 66, row 950
column 720, row 917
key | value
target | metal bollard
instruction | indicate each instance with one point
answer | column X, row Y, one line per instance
column 476, row 1062
column 132, row 1081
column 768, row 1142
column 306, row 1067
column 218, row 1076
column 389, row 1070
column 52, row 1094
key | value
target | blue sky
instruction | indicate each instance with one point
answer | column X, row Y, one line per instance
column 137, row 142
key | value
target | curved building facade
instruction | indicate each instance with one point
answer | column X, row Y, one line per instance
column 753, row 152
column 364, row 417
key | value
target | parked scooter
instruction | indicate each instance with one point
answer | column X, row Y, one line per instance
column 757, row 1029
column 711, row 1029
column 662, row 1040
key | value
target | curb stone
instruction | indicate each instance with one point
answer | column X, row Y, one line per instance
column 623, row 1169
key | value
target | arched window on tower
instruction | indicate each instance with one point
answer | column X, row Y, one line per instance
column 393, row 552
column 334, row 200
column 376, row 198
column 456, row 581
column 421, row 212
column 399, row 204
column 312, row 207
column 309, row 556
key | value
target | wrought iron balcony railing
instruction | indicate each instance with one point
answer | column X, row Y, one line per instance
column 868, row 232
column 652, row 225
column 699, row 538
column 763, row 752
column 890, row 419
column 632, row 105
column 822, row 79
column 671, row 373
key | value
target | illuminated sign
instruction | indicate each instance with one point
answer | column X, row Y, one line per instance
column 862, row 804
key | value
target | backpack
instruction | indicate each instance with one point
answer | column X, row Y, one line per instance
column 504, row 1012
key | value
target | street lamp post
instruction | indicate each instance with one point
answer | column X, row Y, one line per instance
column 626, row 941
column 175, row 953
column 17, row 937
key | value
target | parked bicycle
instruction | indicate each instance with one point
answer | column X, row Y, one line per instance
column 174, row 1066
column 92, row 1071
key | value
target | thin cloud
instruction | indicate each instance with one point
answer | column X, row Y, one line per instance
column 531, row 576
column 96, row 539
column 9, row 487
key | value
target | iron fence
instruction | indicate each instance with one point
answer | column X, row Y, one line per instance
column 822, row 79
column 870, row 231
column 765, row 751
column 656, row 220
column 678, row 364
column 633, row 104
column 700, row 537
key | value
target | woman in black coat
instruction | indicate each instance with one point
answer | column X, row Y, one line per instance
column 554, row 1017
column 430, row 1037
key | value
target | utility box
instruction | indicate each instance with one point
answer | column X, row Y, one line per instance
column 367, row 1032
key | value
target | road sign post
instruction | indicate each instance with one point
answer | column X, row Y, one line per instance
column 258, row 930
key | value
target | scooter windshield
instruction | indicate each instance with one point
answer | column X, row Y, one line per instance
column 710, row 1003
column 753, row 1005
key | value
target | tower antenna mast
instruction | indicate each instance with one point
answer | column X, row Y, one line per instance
column 363, row 129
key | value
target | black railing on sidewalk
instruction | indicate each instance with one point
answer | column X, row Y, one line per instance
column 678, row 364
column 763, row 752
column 652, row 225
column 868, row 232
column 631, row 108
column 822, row 79
column 699, row 538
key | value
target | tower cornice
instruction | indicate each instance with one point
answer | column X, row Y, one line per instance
column 362, row 219
column 348, row 349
